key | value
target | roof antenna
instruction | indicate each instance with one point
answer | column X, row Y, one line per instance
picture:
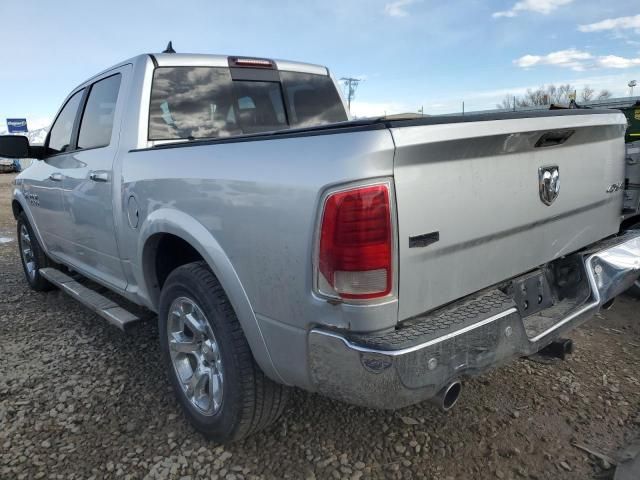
column 169, row 48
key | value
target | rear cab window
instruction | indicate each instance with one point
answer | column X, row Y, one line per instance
column 206, row 102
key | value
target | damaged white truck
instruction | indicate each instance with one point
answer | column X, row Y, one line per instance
column 281, row 244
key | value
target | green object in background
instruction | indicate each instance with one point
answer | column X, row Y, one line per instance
column 633, row 120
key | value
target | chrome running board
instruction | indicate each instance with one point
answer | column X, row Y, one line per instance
column 106, row 308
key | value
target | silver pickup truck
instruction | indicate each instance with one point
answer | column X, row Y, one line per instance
column 281, row 244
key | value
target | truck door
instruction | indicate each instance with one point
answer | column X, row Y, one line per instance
column 44, row 189
column 89, row 185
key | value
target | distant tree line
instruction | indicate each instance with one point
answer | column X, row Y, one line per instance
column 552, row 94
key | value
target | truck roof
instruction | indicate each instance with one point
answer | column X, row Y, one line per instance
column 206, row 60
column 203, row 60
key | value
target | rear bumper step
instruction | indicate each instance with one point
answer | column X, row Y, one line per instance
column 106, row 308
column 413, row 363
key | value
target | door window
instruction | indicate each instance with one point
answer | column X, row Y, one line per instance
column 60, row 136
column 97, row 120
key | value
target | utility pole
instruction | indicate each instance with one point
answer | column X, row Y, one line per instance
column 352, row 85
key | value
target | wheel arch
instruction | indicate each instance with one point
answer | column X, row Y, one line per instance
column 20, row 205
column 16, row 208
column 181, row 230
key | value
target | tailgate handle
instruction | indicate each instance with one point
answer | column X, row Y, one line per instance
column 555, row 137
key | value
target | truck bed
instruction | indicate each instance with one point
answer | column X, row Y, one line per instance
column 469, row 211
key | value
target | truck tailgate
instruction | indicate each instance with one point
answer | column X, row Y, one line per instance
column 470, row 210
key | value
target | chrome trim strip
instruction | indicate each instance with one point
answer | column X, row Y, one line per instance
column 404, row 351
column 582, row 311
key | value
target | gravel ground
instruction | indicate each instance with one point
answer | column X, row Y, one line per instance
column 80, row 399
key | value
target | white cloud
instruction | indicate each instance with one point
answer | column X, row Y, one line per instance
column 614, row 61
column 538, row 6
column 398, row 8
column 620, row 23
column 376, row 109
column 570, row 58
column 36, row 122
column 577, row 60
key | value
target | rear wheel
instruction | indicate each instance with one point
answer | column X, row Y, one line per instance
column 635, row 289
column 32, row 256
column 220, row 387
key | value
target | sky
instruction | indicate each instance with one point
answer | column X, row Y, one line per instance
column 410, row 54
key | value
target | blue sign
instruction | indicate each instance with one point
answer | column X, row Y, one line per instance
column 17, row 125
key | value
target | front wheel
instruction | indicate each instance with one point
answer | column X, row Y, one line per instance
column 220, row 387
column 32, row 256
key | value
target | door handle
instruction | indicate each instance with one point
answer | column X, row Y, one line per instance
column 56, row 177
column 99, row 176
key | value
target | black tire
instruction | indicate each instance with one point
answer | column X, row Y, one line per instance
column 250, row 400
column 635, row 289
column 37, row 260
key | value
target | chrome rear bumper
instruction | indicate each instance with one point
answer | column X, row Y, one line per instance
column 350, row 369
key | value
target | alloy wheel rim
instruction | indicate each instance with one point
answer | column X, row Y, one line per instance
column 195, row 355
column 26, row 250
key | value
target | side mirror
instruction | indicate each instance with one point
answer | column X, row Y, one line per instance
column 14, row 146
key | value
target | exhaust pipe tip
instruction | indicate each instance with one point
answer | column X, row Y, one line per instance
column 448, row 396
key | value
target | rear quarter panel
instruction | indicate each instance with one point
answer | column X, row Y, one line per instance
column 258, row 201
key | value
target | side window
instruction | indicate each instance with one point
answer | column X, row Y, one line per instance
column 97, row 119
column 60, row 137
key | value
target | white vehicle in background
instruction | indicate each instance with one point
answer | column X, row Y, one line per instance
column 9, row 165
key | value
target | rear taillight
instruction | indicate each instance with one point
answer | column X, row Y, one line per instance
column 355, row 254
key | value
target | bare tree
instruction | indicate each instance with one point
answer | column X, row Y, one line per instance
column 564, row 93
column 536, row 97
column 587, row 93
column 551, row 94
column 507, row 102
column 604, row 94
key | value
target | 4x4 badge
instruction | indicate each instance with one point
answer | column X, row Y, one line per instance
column 549, row 184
